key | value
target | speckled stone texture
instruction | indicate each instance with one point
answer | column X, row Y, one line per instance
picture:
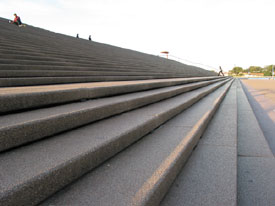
column 52, row 135
column 33, row 56
column 120, row 179
column 61, row 159
column 210, row 175
column 18, row 98
column 256, row 163
column 261, row 96
column 20, row 128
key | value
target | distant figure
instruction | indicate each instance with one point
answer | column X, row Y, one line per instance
column 90, row 38
column 77, row 36
column 221, row 72
column 16, row 21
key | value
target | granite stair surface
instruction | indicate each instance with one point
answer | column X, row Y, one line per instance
column 77, row 137
column 32, row 56
column 86, row 123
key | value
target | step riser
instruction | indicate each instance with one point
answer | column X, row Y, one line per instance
column 15, row 102
column 43, row 185
column 31, row 131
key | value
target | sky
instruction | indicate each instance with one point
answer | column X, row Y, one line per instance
column 204, row 33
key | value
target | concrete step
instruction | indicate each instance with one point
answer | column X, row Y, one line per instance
column 38, row 42
column 61, row 64
column 30, row 81
column 24, row 69
column 64, row 60
column 18, row 98
column 65, row 65
column 22, row 60
column 8, row 64
column 21, row 128
column 72, row 56
column 50, row 73
column 92, row 61
column 157, row 61
column 31, row 173
column 142, row 173
column 210, row 175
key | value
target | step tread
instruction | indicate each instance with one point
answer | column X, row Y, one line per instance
column 35, row 124
column 66, row 87
column 11, row 119
column 122, row 176
column 210, row 175
column 16, row 98
column 61, row 151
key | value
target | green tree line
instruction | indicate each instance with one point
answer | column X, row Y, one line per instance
column 267, row 70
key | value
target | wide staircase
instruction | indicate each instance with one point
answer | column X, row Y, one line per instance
column 32, row 56
column 84, row 123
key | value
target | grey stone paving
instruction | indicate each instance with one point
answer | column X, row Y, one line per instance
column 35, row 170
column 18, row 98
column 210, row 175
column 256, row 163
column 256, row 181
column 69, row 155
column 263, row 108
column 117, row 181
column 37, row 124
column 35, row 57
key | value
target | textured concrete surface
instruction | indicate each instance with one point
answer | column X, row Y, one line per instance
column 256, row 181
column 63, row 158
column 262, row 87
column 120, row 179
column 261, row 96
column 250, row 136
column 64, row 59
column 20, row 128
column 16, row 98
column 151, row 84
column 256, row 163
column 210, row 175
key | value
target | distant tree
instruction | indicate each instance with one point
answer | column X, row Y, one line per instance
column 237, row 70
column 255, row 69
column 267, row 70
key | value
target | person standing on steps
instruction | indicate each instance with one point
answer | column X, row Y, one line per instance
column 17, row 21
column 221, row 72
column 90, row 38
column 77, row 36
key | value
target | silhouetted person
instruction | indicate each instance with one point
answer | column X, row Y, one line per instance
column 221, row 72
column 90, row 38
column 16, row 21
column 77, row 36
